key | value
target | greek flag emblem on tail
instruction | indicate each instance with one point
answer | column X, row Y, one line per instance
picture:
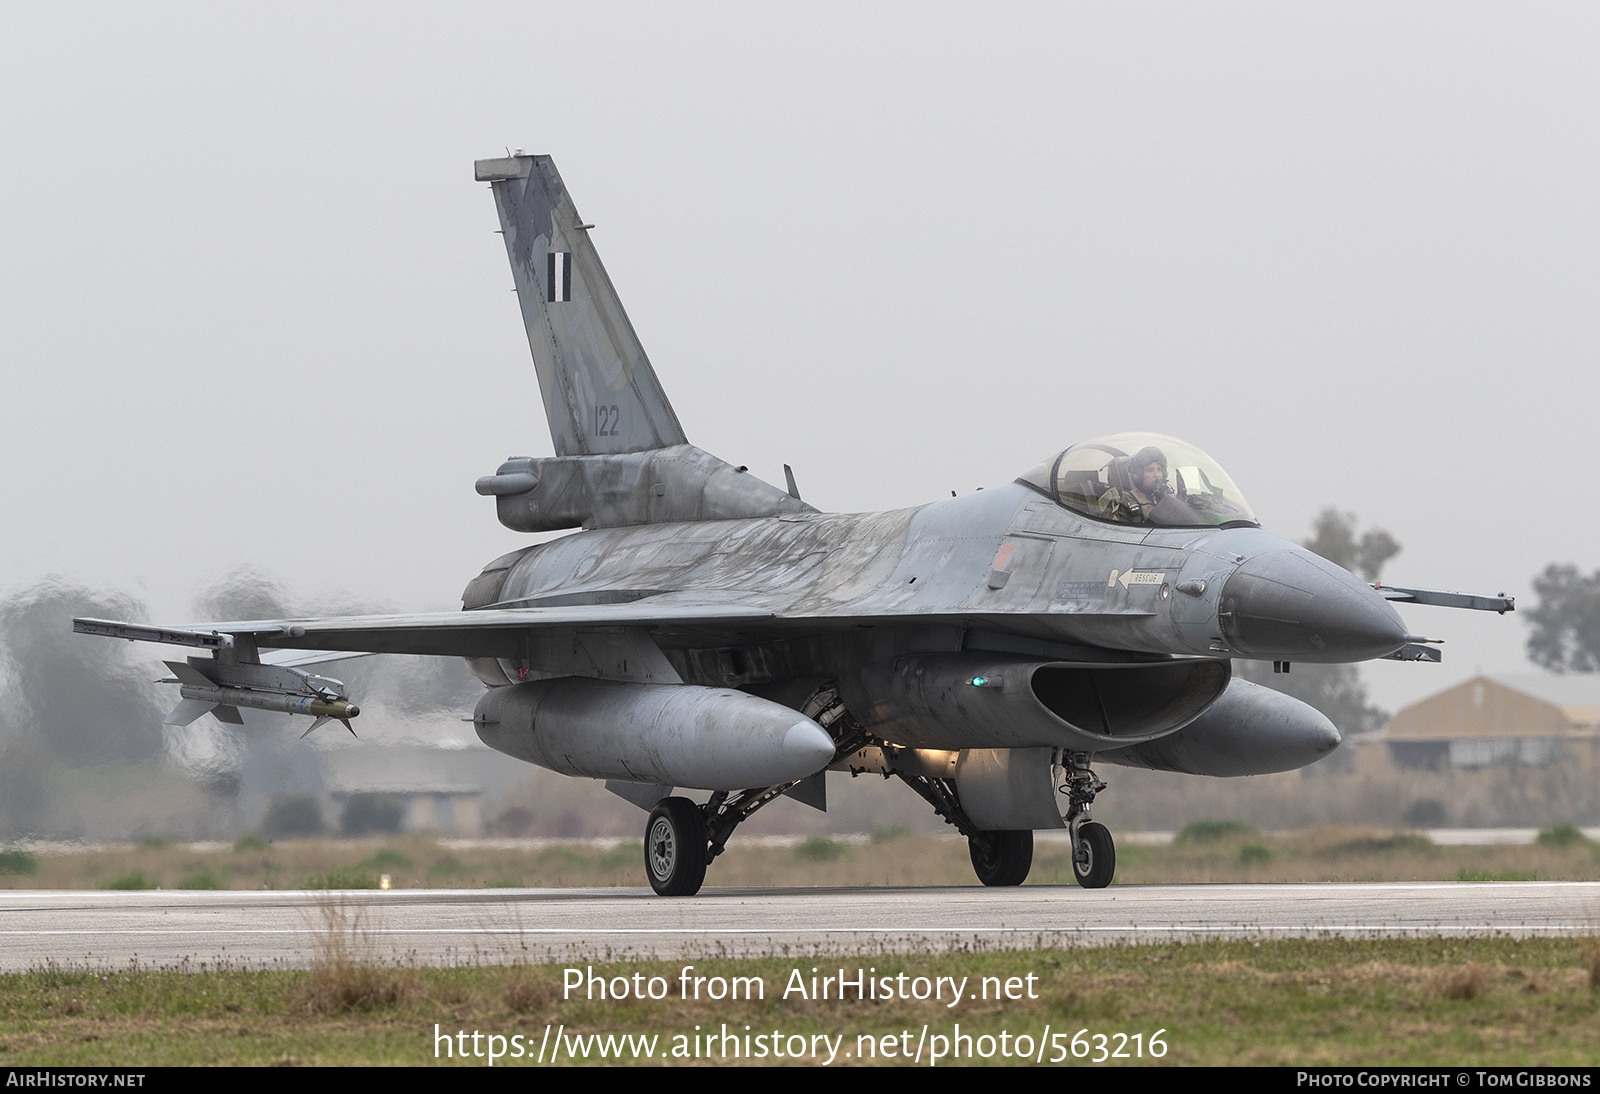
column 558, row 283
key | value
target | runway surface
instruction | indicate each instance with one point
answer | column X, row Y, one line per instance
column 255, row 929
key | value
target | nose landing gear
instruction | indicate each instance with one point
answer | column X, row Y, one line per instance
column 1094, row 855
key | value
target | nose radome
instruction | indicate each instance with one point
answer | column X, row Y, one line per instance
column 1291, row 605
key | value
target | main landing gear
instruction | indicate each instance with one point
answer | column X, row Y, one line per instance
column 681, row 838
column 1001, row 858
column 675, row 855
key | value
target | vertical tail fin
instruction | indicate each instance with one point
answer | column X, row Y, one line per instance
column 600, row 393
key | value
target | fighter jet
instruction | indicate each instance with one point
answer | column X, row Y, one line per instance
column 705, row 630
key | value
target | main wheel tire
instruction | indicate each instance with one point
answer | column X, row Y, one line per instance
column 1002, row 858
column 1096, row 858
column 675, row 847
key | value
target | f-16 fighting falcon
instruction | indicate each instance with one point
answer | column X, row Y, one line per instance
column 706, row 630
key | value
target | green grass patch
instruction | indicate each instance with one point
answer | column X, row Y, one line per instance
column 567, row 858
column 343, row 877
column 625, row 854
column 1214, row 831
column 18, row 862
column 1465, row 874
column 133, row 880
column 1408, row 842
column 1562, row 835
column 387, row 858
column 251, row 843
column 817, row 849
column 201, row 879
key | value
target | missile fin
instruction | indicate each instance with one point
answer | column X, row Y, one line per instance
column 226, row 713
column 314, row 725
column 188, row 674
column 350, row 727
column 187, row 711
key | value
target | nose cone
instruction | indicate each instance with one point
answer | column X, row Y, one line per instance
column 1291, row 605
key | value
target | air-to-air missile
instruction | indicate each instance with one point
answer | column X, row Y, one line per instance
column 234, row 677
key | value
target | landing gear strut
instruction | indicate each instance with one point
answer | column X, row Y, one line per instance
column 1094, row 855
column 998, row 857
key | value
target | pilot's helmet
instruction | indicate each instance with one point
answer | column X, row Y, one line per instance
column 1146, row 456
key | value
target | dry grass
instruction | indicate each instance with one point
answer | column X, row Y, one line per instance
column 894, row 858
column 347, row 973
column 1463, row 981
column 1331, row 853
column 1423, row 1001
column 1493, row 797
column 528, row 992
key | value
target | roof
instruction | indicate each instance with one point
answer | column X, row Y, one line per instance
column 1517, row 705
column 1577, row 693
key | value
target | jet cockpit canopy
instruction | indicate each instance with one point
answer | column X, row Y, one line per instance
column 1142, row 478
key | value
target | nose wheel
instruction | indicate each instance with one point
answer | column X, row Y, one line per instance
column 675, row 847
column 1094, row 856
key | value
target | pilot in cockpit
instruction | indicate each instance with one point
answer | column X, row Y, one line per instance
column 1137, row 485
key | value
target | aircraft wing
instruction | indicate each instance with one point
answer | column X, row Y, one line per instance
column 611, row 641
column 501, row 633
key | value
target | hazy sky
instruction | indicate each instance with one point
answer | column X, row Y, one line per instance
column 252, row 309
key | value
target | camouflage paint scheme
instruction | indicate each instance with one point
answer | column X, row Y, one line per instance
column 983, row 648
